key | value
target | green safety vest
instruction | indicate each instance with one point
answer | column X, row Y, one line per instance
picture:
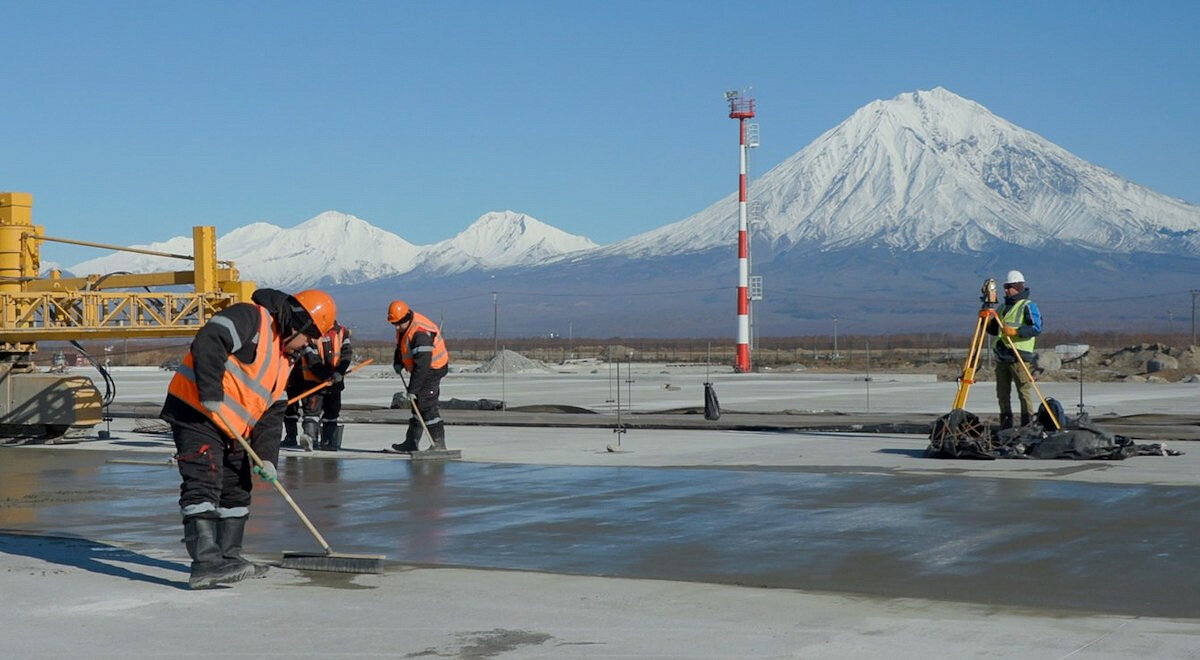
column 1014, row 316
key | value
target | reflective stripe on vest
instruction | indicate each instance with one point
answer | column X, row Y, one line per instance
column 441, row 357
column 329, row 357
column 249, row 388
column 1013, row 316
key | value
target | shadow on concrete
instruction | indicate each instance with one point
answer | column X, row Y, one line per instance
column 143, row 443
column 90, row 556
column 911, row 453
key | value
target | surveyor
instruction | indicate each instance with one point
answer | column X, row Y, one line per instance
column 325, row 362
column 1022, row 324
column 231, row 381
column 421, row 351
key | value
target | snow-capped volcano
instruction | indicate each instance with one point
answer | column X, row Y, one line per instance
column 930, row 170
column 331, row 248
column 502, row 239
column 336, row 248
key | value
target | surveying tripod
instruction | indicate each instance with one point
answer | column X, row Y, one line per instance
column 987, row 313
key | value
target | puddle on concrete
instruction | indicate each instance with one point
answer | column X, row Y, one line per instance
column 1034, row 543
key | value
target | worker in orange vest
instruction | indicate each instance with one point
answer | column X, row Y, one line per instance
column 326, row 361
column 421, row 351
column 236, row 371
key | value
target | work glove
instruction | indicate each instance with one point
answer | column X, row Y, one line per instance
column 412, row 396
column 337, row 377
column 267, row 471
column 1009, row 330
column 212, row 406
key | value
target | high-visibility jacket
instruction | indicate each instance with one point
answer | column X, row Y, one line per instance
column 1014, row 315
column 439, row 357
column 327, row 352
column 249, row 388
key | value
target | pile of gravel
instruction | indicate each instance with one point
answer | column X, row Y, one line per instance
column 512, row 362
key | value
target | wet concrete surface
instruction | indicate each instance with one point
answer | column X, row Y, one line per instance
column 1032, row 543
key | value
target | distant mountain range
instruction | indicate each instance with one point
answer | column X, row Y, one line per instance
column 335, row 248
column 889, row 221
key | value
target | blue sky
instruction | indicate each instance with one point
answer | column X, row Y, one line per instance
column 132, row 121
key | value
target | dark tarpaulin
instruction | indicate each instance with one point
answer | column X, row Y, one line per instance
column 960, row 434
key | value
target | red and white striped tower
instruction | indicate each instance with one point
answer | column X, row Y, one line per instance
column 742, row 108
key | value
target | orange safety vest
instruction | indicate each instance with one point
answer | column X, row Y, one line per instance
column 441, row 357
column 249, row 388
column 329, row 352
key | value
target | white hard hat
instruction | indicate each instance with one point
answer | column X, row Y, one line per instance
column 1013, row 277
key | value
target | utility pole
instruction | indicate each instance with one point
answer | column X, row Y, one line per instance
column 835, row 351
column 1195, row 293
column 495, row 325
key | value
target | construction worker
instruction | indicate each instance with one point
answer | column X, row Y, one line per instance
column 1022, row 323
column 327, row 361
column 235, row 374
column 421, row 351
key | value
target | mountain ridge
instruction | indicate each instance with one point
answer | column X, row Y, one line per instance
column 927, row 193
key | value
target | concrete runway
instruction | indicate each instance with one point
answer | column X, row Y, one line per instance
column 855, row 545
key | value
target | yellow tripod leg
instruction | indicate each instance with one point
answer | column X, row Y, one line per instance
column 1046, row 406
column 971, row 364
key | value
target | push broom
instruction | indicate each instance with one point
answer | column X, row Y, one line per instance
column 327, row 383
column 328, row 560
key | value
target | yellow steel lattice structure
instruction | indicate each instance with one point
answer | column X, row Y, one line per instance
column 34, row 308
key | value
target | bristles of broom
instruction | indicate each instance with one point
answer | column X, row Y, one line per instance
column 333, row 562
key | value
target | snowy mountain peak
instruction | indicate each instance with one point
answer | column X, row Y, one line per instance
column 338, row 248
column 500, row 239
column 930, row 170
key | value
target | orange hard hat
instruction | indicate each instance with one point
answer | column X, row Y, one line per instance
column 320, row 307
column 397, row 311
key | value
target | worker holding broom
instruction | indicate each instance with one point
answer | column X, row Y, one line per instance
column 327, row 361
column 1022, row 323
column 232, row 385
column 421, row 351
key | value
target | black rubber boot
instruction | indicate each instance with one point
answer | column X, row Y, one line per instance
column 412, row 438
column 331, row 434
column 1024, row 419
column 312, row 431
column 229, row 534
column 437, row 433
column 1006, row 420
column 289, row 433
column 209, row 566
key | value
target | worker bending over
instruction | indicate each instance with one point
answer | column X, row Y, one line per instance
column 326, row 361
column 236, row 371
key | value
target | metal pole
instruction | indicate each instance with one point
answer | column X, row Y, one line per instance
column 835, row 351
column 1195, row 292
column 495, row 325
column 868, row 375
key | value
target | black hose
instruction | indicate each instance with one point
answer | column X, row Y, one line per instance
column 110, row 386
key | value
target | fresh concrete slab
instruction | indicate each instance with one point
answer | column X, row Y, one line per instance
column 120, row 581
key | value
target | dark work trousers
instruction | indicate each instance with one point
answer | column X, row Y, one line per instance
column 216, row 471
column 309, row 406
column 1008, row 374
column 427, row 405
